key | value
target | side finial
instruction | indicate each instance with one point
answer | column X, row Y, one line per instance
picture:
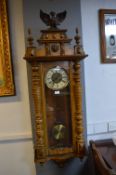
column 78, row 49
column 30, row 51
column 30, row 38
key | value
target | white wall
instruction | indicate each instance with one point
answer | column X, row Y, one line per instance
column 100, row 79
column 16, row 151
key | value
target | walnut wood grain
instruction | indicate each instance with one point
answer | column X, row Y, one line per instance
column 40, row 145
column 79, row 138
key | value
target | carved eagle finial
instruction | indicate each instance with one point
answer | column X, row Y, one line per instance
column 52, row 19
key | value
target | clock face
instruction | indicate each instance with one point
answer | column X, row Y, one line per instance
column 56, row 78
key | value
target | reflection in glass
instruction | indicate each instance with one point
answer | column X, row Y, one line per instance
column 110, row 35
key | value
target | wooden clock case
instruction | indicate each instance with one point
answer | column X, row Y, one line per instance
column 55, row 109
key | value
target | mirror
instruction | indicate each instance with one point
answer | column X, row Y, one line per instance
column 107, row 19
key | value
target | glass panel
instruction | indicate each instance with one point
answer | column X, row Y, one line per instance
column 110, row 35
column 58, row 117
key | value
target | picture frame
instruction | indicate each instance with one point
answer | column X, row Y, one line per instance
column 107, row 21
column 6, row 71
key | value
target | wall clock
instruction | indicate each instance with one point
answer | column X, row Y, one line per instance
column 56, row 90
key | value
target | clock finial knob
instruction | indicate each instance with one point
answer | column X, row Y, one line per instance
column 78, row 48
column 30, row 38
column 30, row 51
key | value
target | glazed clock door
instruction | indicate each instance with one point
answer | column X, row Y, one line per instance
column 58, row 104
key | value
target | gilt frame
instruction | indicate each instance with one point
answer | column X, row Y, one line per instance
column 6, row 72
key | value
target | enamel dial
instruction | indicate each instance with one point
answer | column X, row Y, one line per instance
column 56, row 78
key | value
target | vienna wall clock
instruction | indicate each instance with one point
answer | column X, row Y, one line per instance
column 57, row 93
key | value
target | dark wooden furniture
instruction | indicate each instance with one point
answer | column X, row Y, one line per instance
column 104, row 157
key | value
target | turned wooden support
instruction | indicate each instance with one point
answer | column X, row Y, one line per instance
column 79, row 144
column 40, row 149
